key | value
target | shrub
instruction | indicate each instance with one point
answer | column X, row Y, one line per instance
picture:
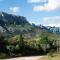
column 3, row 55
column 51, row 53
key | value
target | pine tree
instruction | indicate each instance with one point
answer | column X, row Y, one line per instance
column 21, row 41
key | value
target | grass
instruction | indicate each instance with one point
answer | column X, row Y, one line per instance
column 56, row 57
column 3, row 55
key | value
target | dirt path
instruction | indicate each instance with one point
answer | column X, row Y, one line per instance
column 26, row 58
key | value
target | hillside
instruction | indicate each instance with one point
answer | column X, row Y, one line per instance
column 12, row 25
column 20, row 38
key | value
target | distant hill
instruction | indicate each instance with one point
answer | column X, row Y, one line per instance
column 55, row 30
column 12, row 25
column 8, row 19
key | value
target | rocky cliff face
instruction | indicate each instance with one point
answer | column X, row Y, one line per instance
column 8, row 19
column 14, row 25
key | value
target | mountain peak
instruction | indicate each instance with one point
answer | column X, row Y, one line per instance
column 1, row 14
column 11, row 19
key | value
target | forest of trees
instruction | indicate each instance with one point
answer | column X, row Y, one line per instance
column 18, row 46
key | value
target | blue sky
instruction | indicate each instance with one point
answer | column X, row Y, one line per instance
column 46, row 12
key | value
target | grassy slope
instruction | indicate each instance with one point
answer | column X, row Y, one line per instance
column 57, row 57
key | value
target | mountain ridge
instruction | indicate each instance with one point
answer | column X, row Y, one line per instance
column 14, row 25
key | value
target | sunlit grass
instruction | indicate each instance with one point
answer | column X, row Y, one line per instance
column 56, row 57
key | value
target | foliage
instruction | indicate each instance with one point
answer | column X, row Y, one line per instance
column 3, row 55
column 2, row 44
column 56, row 57
column 20, row 46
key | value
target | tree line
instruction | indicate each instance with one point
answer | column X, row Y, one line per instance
column 20, row 47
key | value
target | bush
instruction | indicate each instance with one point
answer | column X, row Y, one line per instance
column 51, row 53
column 3, row 55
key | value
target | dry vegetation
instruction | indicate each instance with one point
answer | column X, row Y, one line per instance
column 56, row 57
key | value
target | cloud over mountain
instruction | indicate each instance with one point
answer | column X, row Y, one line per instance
column 15, row 9
column 51, row 5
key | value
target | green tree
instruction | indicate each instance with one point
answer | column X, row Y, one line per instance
column 21, row 41
column 2, row 44
column 43, row 42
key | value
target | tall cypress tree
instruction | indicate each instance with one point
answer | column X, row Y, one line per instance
column 21, row 41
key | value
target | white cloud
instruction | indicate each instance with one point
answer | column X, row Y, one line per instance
column 52, row 21
column 53, row 18
column 15, row 10
column 56, row 25
column 51, row 5
column 36, row 1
